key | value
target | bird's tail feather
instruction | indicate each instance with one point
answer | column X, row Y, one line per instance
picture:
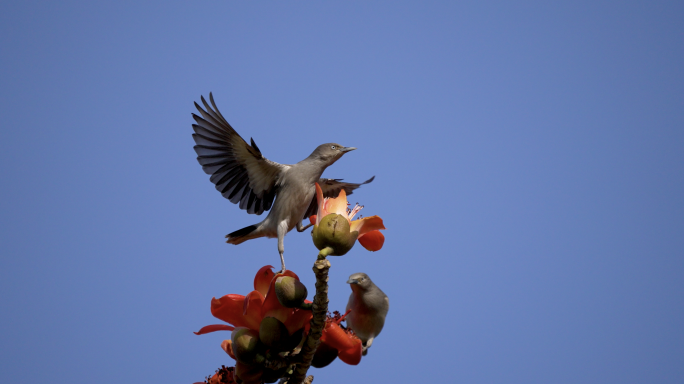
column 242, row 235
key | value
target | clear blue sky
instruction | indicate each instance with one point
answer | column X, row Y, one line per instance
column 529, row 163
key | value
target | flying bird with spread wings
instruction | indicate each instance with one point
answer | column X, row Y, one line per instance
column 245, row 177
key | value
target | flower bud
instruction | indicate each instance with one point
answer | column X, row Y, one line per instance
column 245, row 343
column 333, row 231
column 324, row 355
column 294, row 340
column 249, row 374
column 272, row 332
column 290, row 292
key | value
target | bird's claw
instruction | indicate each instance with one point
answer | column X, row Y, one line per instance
column 301, row 228
column 364, row 349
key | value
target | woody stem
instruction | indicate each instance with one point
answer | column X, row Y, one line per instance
column 320, row 311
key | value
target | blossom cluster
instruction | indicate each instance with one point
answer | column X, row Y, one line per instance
column 268, row 327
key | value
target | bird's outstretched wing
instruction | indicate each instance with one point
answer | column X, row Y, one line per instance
column 332, row 188
column 238, row 169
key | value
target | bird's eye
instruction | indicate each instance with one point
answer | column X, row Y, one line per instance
column 333, row 147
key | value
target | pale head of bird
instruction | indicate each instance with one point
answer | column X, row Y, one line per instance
column 359, row 281
column 330, row 152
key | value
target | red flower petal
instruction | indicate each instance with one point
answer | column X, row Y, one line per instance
column 214, row 328
column 352, row 355
column 289, row 273
column 349, row 346
column 372, row 240
column 274, row 309
column 263, row 279
column 336, row 337
column 252, row 309
column 227, row 346
column 336, row 205
column 299, row 319
column 320, row 200
column 229, row 308
column 366, row 224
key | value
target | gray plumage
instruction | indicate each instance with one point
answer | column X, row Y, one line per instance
column 369, row 306
column 245, row 177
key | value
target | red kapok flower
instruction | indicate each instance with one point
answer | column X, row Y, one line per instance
column 368, row 228
column 248, row 311
column 261, row 322
column 343, row 340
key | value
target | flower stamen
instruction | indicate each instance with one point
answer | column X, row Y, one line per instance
column 352, row 212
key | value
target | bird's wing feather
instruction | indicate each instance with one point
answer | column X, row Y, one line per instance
column 239, row 170
column 332, row 188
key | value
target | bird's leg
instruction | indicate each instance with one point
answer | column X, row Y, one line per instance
column 282, row 230
column 301, row 227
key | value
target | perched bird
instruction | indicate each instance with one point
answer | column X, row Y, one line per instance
column 245, row 177
column 369, row 306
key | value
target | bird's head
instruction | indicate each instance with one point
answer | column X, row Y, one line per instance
column 330, row 152
column 359, row 280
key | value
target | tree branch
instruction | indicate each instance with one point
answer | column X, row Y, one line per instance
column 320, row 311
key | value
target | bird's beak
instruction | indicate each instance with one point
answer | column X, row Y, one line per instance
column 347, row 149
column 352, row 281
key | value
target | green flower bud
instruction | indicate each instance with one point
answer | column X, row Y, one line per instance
column 272, row 332
column 290, row 292
column 245, row 343
column 333, row 231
